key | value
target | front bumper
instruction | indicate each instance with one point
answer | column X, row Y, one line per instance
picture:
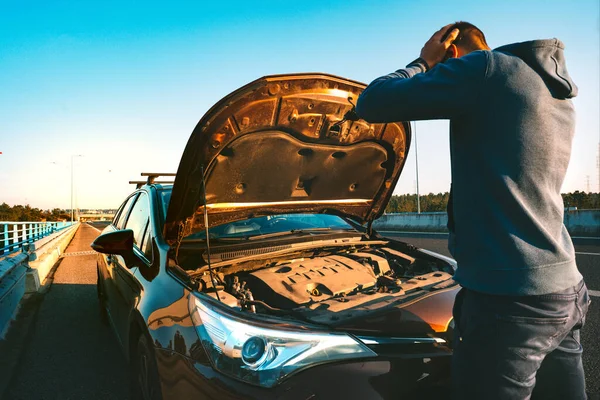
column 386, row 377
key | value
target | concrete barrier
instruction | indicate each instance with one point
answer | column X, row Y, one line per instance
column 13, row 270
column 578, row 222
column 43, row 254
column 583, row 222
column 413, row 222
column 24, row 272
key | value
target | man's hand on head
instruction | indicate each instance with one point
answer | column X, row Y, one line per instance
column 434, row 51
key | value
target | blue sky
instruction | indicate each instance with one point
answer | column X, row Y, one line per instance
column 124, row 83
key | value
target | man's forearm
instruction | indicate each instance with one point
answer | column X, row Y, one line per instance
column 376, row 103
column 410, row 94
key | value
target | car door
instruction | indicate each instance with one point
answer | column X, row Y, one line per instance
column 126, row 288
column 105, row 261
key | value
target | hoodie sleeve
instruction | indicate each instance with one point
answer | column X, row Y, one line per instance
column 409, row 94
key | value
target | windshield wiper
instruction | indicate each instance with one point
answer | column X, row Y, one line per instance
column 299, row 231
column 312, row 230
column 216, row 239
column 241, row 238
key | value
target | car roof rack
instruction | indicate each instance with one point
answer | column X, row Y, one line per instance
column 151, row 178
column 139, row 184
column 153, row 175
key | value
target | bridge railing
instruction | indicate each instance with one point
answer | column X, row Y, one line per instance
column 13, row 235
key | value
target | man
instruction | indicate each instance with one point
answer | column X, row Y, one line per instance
column 523, row 302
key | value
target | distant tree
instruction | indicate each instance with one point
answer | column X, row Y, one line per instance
column 408, row 203
column 438, row 202
column 7, row 213
column 582, row 200
column 392, row 206
column 27, row 213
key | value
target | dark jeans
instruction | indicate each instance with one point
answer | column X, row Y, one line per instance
column 519, row 347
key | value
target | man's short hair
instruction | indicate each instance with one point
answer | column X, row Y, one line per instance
column 469, row 37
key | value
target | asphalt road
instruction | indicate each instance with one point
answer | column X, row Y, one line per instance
column 99, row 224
column 65, row 351
column 62, row 351
column 587, row 253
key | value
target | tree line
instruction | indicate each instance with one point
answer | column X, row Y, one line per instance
column 437, row 202
column 27, row 213
column 397, row 204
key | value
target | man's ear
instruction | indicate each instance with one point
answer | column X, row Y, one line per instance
column 452, row 51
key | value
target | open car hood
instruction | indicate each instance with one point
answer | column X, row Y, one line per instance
column 281, row 145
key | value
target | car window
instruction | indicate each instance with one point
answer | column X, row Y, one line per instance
column 117, row 215
column 146, row 246
column 165, row 198
column 120, row 220
column 138, row 219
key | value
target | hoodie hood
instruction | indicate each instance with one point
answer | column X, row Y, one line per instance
column 546, row 57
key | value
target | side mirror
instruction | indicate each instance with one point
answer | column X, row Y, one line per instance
column 117, row 242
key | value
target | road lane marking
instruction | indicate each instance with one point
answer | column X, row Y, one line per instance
column 79, row 253
column 93, row 227
column 587, row 254
column 594, row 293
column 446, row 234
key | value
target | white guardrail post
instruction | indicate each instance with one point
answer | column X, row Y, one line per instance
column 15, row 235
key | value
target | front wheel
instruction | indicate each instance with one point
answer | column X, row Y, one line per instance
column 144, row 374
column 101, row 302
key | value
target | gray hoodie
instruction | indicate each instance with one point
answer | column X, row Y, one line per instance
column 511, row 128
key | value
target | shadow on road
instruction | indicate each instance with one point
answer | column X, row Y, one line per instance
column 69, row 354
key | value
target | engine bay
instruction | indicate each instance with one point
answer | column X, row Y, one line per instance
column 327, row 286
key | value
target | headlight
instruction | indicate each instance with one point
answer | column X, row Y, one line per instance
column 264, row 356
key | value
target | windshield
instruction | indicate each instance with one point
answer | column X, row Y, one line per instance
column 271, row 224
column 274, row 224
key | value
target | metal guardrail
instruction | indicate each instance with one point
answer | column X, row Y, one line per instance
column 13, row 235
column 24, row 272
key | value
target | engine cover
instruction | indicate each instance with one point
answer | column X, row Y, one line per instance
column 304, row 281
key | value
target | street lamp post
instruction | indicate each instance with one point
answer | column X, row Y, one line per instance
column 72, row 157
column 417, row 162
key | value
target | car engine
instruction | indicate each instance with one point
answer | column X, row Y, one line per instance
column 338, row 285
